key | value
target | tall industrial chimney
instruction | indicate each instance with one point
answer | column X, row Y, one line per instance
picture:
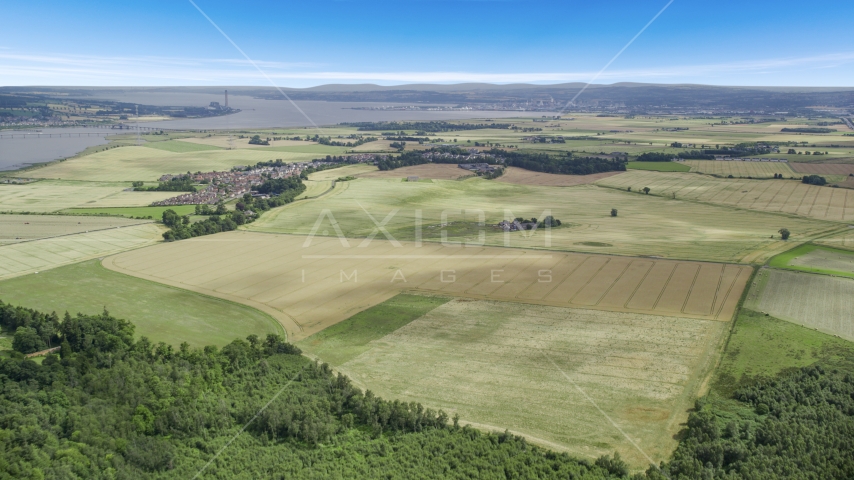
column 226, row 99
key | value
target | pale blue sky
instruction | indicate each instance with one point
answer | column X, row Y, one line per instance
column 299, row 44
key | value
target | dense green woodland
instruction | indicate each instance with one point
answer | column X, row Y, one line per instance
column 538, row 162
column 111, row 407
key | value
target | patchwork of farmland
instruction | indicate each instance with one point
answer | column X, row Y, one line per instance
column 148, row 164
column 822, row 302
column 27, row 257
column 309, row 284
column 51, row 196
column 515, row 366
column 527, row 177
column 779, row 196
column 23, row 228
column 646, row 225
column 740, row 169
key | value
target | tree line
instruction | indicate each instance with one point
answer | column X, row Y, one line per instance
column 182, row 183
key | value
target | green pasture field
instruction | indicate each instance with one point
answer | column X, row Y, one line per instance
column 789, row 197
column 314, row 188
column 659, row 166
column 505, row 365
column 148, row 164
column 54, row 195
column 820, row 302
column 346, row 340
column 134, row 212
column 761, row 346
column 46, row 253
column 176, row 146
column 646, row 226
column 161, row 313
column 816, row 259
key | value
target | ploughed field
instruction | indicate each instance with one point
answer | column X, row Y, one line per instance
column 823, row 168
column 528, row 368
column 646, row 225
column 778, row 196
column 311, row 283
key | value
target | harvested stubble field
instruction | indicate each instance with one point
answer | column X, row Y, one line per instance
column 817, row 301
column 51, row 196
column 436, row 171
column 646, row 225
column 823, row 168
column 159, row 312
column 740, row 169
column 22, row 228
column 778, row 196
column 148, row 164
column 309, row 284
column 491, row 363
column 27, row 257
column 521, row 176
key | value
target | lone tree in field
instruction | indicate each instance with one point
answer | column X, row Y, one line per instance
column 613, row 212
column 646, row 190
column 784, row 233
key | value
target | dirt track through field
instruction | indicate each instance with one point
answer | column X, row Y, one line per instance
column 311, row 287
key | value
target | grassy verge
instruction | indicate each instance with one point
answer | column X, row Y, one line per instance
column 659, row 166
column 132, row 212
column 762, row 346
column 346, row 340
column 159, row 312
column 782, row 260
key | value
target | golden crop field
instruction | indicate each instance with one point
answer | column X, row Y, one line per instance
column 646, row 225
column 51, row 196
column 311, row 283
column 28, row 257
column 521, row 176
column 349, row 170
column 148, row 164
column 740, row 169
column 778, row 196
column 24, row 228
column 822, row 302
column 505, row 366
column 428, row 171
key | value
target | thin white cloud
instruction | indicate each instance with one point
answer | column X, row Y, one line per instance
column 22, row 69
